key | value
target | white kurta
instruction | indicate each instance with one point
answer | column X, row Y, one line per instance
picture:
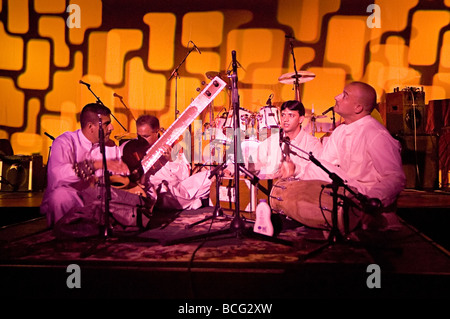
column 179, row 189
column 269, row 154
column 367, row 156
column 63, row 184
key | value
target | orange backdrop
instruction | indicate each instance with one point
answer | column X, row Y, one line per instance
column 132, row 47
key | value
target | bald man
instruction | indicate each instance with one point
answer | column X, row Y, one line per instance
column 364, row 154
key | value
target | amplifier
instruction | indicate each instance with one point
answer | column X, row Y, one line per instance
column 22, row 173
column 405, row 112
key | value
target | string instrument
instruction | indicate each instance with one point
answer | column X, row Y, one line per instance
column 148, row 160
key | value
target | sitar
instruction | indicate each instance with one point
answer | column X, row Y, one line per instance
column 174, row 131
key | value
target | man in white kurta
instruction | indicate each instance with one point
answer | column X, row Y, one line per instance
column 171, row 183
column 364, row 154
column 63, row 184
column 269, row 153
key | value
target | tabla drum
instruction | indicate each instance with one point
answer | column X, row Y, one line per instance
column 268, row 117
column 310, row 203
column 244, row 119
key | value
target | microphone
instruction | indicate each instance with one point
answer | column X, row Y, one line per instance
column 328, row 110
column 117, row 95
column 285, row 149
column 269, row 100
column 281, row 136
column 370, row 206
column 49, row 136
column 195, row 47
column 87, row 84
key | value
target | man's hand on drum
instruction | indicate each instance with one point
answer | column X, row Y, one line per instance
column 287, row 169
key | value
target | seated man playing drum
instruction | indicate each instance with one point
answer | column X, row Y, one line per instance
column 364, row 154
column 271, row 158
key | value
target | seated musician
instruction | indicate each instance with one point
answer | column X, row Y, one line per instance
column 365, row 155
column 169, row 179
column 81, row 148
column 271, row 158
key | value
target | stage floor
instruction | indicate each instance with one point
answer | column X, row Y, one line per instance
column 162, row 263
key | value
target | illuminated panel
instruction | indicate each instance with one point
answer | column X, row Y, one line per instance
column 441, row 81
column 305, row 17
column 445, row 49
column 54, row 28
column 346, row 40
column 425, row 36
column 119, row 43
column 202, row 63
column 53, row 6
column 161, row 43
column 321, row 91
column 146, row 91
column 97, row 53
column 203, row 28
column 55, row 126
column 66, row 86
column 11, row 51
column 26, row 143
column 393, row 15
column 37, row 71
column 104, row 92
column 12, row 105
column 303, row 56
column 91, row 18
column 18, row 16
column 252, row 53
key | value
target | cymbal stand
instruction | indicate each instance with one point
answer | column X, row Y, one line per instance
column 296, row 83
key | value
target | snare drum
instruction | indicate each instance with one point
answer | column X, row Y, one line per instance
column 311, row 204
column 244, row 119
column 268, row 117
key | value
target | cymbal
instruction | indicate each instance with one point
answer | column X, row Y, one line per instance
column 302, row 76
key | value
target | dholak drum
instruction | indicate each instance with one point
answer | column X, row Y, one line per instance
column 312, row 205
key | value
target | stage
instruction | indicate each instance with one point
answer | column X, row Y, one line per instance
column 160, row 263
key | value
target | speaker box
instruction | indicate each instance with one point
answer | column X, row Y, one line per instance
column 420, row 160
column 405, row 112
column 22, row 173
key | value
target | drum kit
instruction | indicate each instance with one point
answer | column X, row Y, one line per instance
column 254, row 126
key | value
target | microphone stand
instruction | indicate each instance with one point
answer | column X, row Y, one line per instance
column 106, row 180
column 335, row 235
column 175, row 74
column 296, row 83
column 100, row 102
